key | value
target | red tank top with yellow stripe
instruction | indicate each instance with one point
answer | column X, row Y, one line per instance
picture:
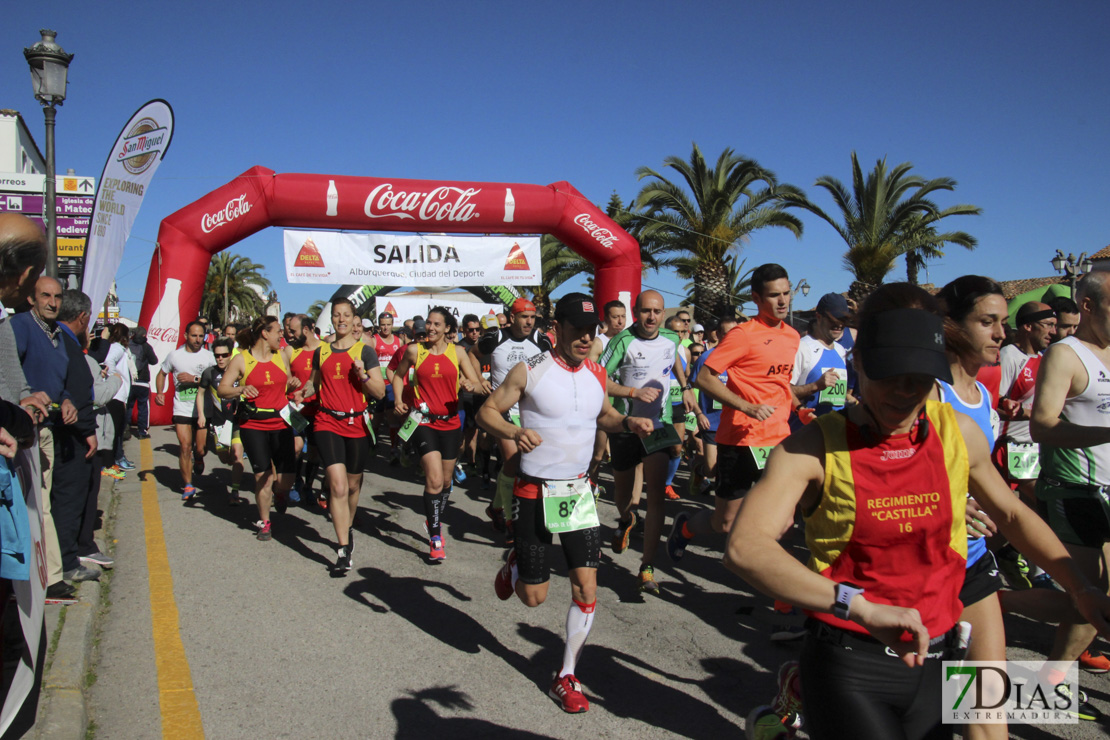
column 437, row 384
column 300, row 364
column 341, row 389
column 891, row 517
column 271, row 379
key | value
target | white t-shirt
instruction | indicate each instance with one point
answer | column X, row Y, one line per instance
column 181, row 360
column 117, row 362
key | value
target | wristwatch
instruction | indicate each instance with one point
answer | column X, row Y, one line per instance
column 845, row 592
column 624, row 424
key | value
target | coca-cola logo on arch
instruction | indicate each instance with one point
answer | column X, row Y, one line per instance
column 444, row 203
column 604, row 236
column 167, row 334
column 235, row 208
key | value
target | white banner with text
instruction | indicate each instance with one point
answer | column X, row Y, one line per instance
column 417, row 260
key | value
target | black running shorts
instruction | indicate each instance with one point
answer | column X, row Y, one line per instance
column 444, row 441
column 264, row 447
column 582, row 549
column 737, row 471
column 189, row 421
column 981, row 580
column 335, row 449
column 626, row 451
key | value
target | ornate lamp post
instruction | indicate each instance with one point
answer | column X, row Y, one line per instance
column 1071, row 267
column 802, row 286
column 49, row 63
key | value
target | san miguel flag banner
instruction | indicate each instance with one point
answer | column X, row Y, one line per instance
column 417, row 260
column 140, row 147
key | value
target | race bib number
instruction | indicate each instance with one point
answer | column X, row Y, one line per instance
column 691, row 422
column 568, row 506
column 660, row 439
column 760, row 454
column 187, row 394
column 1023, row 461
column 410, row 425
column 674, row 393
column 515, row 419
column 223, row 435
column 837, row 393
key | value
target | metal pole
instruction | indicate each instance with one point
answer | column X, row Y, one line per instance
column 225, row 297
column 51, row 206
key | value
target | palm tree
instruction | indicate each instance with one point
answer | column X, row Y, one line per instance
column 885, row 217
column 314, row 310
column 739, row 280
column 924, row 243
column 725, row 205
column 234, row 289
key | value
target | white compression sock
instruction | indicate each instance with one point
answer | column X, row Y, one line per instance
column 580, row 617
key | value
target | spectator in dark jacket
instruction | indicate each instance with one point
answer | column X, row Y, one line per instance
column 140, row 384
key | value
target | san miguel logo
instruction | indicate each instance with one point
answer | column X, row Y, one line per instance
column 309, row 256
column 441, row 204
column 604, row 236
column 516, row 260
column 235, row 208
column 140, row 148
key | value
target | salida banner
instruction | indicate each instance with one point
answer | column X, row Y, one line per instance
column 419, row 260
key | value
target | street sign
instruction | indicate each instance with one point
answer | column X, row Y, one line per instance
column 19, row 182
column 32, row 205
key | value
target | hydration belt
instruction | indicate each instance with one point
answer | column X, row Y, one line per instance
column 341, row 414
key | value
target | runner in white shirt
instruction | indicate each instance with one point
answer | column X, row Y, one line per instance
column 562, row 402
column 616, row 315
column 185, row 364
column 820, row 378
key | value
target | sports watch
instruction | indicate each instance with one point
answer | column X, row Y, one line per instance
column 844, row 594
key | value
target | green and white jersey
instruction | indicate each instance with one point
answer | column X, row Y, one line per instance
column 642, row 363
column 1087, row 466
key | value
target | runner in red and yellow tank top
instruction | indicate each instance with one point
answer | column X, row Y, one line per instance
column 881, row 485
column 264, row 380
column 438, row 436
column 344, row 372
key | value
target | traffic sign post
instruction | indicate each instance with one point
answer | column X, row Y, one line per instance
column 25, row 193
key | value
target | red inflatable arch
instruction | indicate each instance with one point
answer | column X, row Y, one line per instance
column 259, row 197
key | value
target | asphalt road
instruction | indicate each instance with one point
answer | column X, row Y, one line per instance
column 403, row 648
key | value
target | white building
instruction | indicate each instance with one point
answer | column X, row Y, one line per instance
column 18, row 150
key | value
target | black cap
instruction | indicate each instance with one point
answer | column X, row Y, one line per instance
column 578, row 309
column 419, row 327
column 903, row 341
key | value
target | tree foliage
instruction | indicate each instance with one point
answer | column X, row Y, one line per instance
column 246, row 289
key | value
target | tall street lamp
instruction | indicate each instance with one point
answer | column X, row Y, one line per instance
column 1071, row 267
column 49, row 63
column 802, row 286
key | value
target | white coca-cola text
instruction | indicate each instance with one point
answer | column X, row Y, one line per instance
column 441, row 204
column 604, row 236
column 167, row 334
column 235, row 208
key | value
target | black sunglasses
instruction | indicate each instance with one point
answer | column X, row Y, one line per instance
column 222, row 354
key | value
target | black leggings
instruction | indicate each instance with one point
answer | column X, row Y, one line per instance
column 860, row 695
column 117, row 409
column 265, row 447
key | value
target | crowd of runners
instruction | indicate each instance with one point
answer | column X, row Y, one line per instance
column 942, row 468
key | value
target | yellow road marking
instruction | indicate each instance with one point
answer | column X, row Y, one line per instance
column 178, row 702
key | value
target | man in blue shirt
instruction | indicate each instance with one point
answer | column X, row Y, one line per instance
column 46, row 363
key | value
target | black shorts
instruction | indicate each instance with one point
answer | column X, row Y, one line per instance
column 1077, row 517
column 190, row 421
column 626, row 451
column 470, row 403
column 444, row 441
column 335, row 449
column 737, row 471
column 264, row 447
column 981, row 580
column 708, row 436
column 582, row 549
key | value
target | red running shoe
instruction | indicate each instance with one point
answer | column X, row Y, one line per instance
column 1094, row 662
column 568, row 692
column 503, row 582
column 670, row 494
column 436, row 552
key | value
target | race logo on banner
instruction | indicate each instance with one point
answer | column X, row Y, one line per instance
column 139, row 148
column 417, row 260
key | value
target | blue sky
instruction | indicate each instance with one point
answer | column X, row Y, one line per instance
column 1009, row 98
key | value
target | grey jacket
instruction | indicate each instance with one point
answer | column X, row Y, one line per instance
column 103, row 390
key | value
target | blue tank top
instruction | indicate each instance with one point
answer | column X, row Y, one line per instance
column 712, row 409
column 983, row 415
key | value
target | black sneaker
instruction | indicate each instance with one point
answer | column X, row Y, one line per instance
column 342, row 562
column 61, row 593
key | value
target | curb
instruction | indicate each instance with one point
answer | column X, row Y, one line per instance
column 63, row 704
